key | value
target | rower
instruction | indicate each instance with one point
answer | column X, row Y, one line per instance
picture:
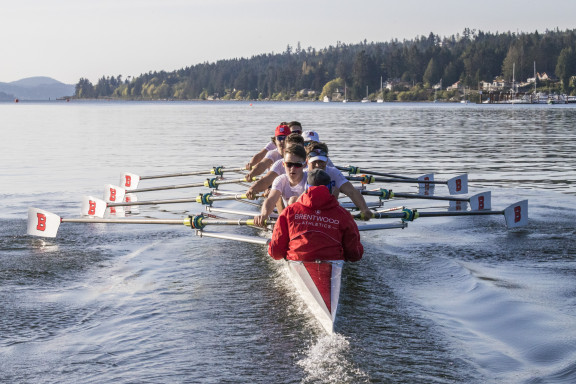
column 272, row 160
column 312, row 137
column 294, row 126
column 317, row 156
column 316, row 227
column 290, row 184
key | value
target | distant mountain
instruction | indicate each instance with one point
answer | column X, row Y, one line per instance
column 37, row 88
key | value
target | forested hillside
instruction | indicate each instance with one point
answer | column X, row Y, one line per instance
column 470, row 57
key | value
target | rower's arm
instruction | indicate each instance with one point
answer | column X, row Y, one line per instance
column 267, row 208
column 261, row 184
column 256, row 158
column 259, row 168
column 357, row 198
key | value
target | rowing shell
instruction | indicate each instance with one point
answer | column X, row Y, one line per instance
column 318, row 283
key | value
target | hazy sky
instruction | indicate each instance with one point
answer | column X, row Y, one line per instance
column 70, row 39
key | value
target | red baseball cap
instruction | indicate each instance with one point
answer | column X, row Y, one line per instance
column 282, row 130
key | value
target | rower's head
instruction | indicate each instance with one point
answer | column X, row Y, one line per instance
column 282, row 131
column 295, row 127
column 291, row 139
column 294, row 161
column 318, row 177
column 310, row 137
column 317, row 156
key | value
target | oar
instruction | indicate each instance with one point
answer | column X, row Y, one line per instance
column 357, row 170
column 456, row 185
column 232, row 236
column 130, row 181
column 516, row 215
column 92, row 206
column 113, row 193
column 45, row 224
column 477, row 202
column 237, row 212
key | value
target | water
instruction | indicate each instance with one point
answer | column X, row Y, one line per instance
column 447, row 300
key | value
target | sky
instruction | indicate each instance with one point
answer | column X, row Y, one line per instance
column 72, row 39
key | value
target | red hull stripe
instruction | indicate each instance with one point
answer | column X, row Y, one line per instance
column 321, row 274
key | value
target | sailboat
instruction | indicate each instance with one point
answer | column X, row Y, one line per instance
column 366, row 99
column 464, row 100
column 381, row 98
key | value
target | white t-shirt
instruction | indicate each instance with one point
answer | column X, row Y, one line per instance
column 337, row 177
column 270, row 146
column 273, row 155
column 278, row 167
column 282, row 184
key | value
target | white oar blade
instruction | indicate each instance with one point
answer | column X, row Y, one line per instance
column 517, row 214
column 481, row 201
column 114, row 194
column 426, row 188
column 92, row 206
column 458, row 185
column 458, row 206
column 42, row 223
column 132, row 197
column 129, row 181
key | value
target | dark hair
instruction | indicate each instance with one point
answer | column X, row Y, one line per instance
column 294, row 138
column 294, row 124
column 314, row 146
column 296, row 150
column 319, row 177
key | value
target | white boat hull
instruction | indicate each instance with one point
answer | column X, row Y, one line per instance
column 318, row 283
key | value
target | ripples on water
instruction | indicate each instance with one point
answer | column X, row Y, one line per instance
column 447, row 300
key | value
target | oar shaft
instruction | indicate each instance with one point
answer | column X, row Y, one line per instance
column 416, row 196
column 166, row 187
column 195, row 173
column 129, row 221
column 389, row 180
column 210, row 183
column 151, row 202
column 457, row 213
column 355, row 170
column 231, row 236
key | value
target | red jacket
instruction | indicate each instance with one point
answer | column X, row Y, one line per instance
column 316, row 227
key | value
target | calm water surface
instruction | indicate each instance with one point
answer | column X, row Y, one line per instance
column 447, row 300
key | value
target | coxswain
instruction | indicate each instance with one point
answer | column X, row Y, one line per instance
column 316, row 227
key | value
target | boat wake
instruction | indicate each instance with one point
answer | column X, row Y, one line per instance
column 329, row 361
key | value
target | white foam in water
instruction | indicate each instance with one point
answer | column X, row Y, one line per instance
column 328, row 361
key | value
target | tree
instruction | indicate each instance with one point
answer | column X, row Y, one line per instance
column 432, row 74
column 331, row 86
column 84, row 89
column 566, row 67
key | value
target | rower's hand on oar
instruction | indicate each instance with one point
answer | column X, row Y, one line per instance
column 366, row 214
column 249, row 176
column 260, row 221
column 250, row 194
column 248, row 166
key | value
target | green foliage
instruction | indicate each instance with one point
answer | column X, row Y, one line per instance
column 331, row 86
column 471, row 57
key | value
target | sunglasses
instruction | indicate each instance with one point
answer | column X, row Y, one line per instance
column 317, row 152
column 297, row 131
column 280, row 138
column 290, row 164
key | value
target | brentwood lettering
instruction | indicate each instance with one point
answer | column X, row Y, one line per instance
column 315, row 218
